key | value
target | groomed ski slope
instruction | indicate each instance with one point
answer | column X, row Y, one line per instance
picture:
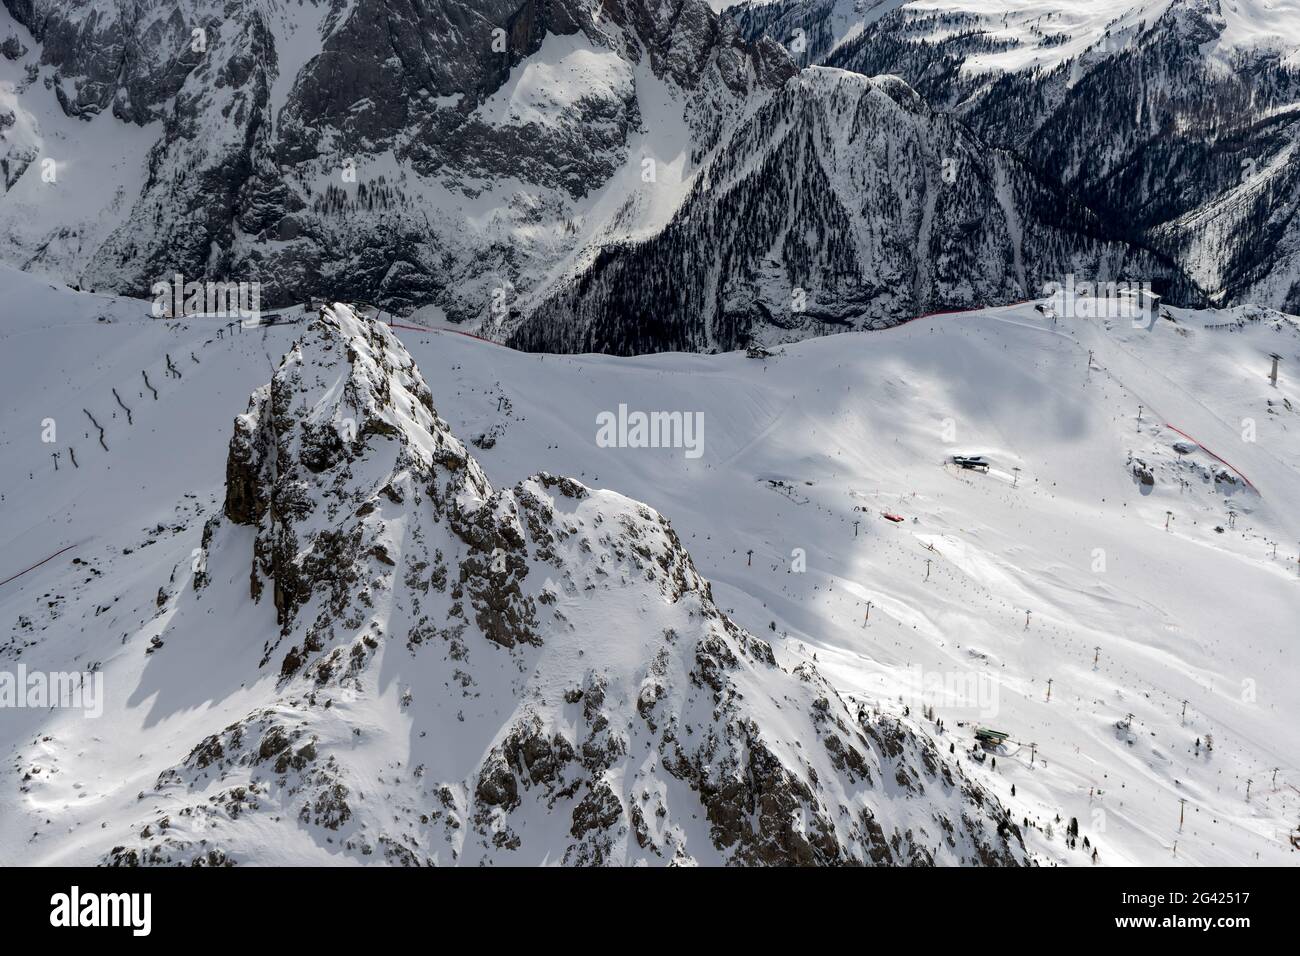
column 797, row 448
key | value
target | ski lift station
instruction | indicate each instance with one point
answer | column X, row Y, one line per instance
column 971, row 462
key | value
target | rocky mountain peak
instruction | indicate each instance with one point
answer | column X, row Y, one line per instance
column 345, row 424
column 541, row 670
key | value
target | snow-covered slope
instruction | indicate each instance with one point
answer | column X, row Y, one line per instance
column 835, row 431
column 226, row 718
column 371, row 655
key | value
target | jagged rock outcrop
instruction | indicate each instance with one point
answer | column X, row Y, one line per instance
column 463, row 674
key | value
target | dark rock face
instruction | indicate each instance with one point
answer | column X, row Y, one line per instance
column 11, row 48
column 566, row 687
column 401, row 57
column 323, row 147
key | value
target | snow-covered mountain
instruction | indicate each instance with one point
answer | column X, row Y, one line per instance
column 842, row 202
column 372, row 653
column 1004, row 572
column 330, row 633
column 418, row 154
column 522, row 168
column 1176, row 121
